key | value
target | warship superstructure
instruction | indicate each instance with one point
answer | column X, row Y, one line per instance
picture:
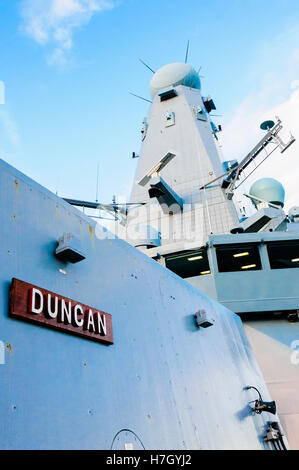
column 189, row 221
column 101, row 346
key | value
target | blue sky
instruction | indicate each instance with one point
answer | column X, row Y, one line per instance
column 69, row 65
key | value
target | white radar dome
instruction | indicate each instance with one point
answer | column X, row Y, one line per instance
column 173, row 75
column 268, row 190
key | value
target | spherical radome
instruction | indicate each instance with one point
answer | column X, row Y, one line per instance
column 269, row 190
column 173, row 75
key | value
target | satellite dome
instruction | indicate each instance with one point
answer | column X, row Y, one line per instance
column 268, row 190
column 174, row 75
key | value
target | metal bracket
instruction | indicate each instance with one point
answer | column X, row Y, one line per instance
column 231, row 177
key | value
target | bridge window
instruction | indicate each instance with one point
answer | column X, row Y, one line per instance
column 189, row 264
column 238, row 259
column 284, row 255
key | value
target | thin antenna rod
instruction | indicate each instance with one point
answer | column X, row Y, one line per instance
column 140, row 97
column 197, row 74
column 147, row 66
column 187, row 52
column 97, row 188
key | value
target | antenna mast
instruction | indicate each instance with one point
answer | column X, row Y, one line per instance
column 140, row 97
column 147, row 66
column 187, row 52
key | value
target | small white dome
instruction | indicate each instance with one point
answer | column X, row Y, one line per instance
column 269, row 190
column 174, row 75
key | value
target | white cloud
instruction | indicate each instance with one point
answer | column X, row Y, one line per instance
column 54, row 21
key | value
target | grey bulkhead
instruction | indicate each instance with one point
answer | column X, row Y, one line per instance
column 173, row 385
column 195, row 163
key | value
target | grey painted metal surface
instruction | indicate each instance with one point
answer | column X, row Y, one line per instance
column 275, row 344
column 266, row 290
column 171, row 385
column 196, row 162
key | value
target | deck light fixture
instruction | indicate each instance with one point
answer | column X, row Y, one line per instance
column 250, row 266
column 202, row 320
column 195, row 258
column 240, row 255
column 69, row 249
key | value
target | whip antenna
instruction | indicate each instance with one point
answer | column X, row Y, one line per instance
column 187, row 52
column 147, row 66
column 140, row 97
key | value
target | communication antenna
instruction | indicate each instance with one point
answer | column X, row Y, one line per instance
column 230, row 178
column 147, row 66
column 187, row 52
column 198, row 72
column 114, row 205
column 140, row 97
column 267, row 125
column 201, row 76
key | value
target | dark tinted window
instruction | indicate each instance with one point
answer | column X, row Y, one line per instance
column 238, row 258
column 284, row 256
column 189, row 264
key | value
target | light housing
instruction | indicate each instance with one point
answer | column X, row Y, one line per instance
column 202, row 320
column 69, row 249
column 195, row 258
column 241, row 255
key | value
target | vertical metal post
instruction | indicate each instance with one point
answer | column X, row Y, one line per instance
column 264, row 257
